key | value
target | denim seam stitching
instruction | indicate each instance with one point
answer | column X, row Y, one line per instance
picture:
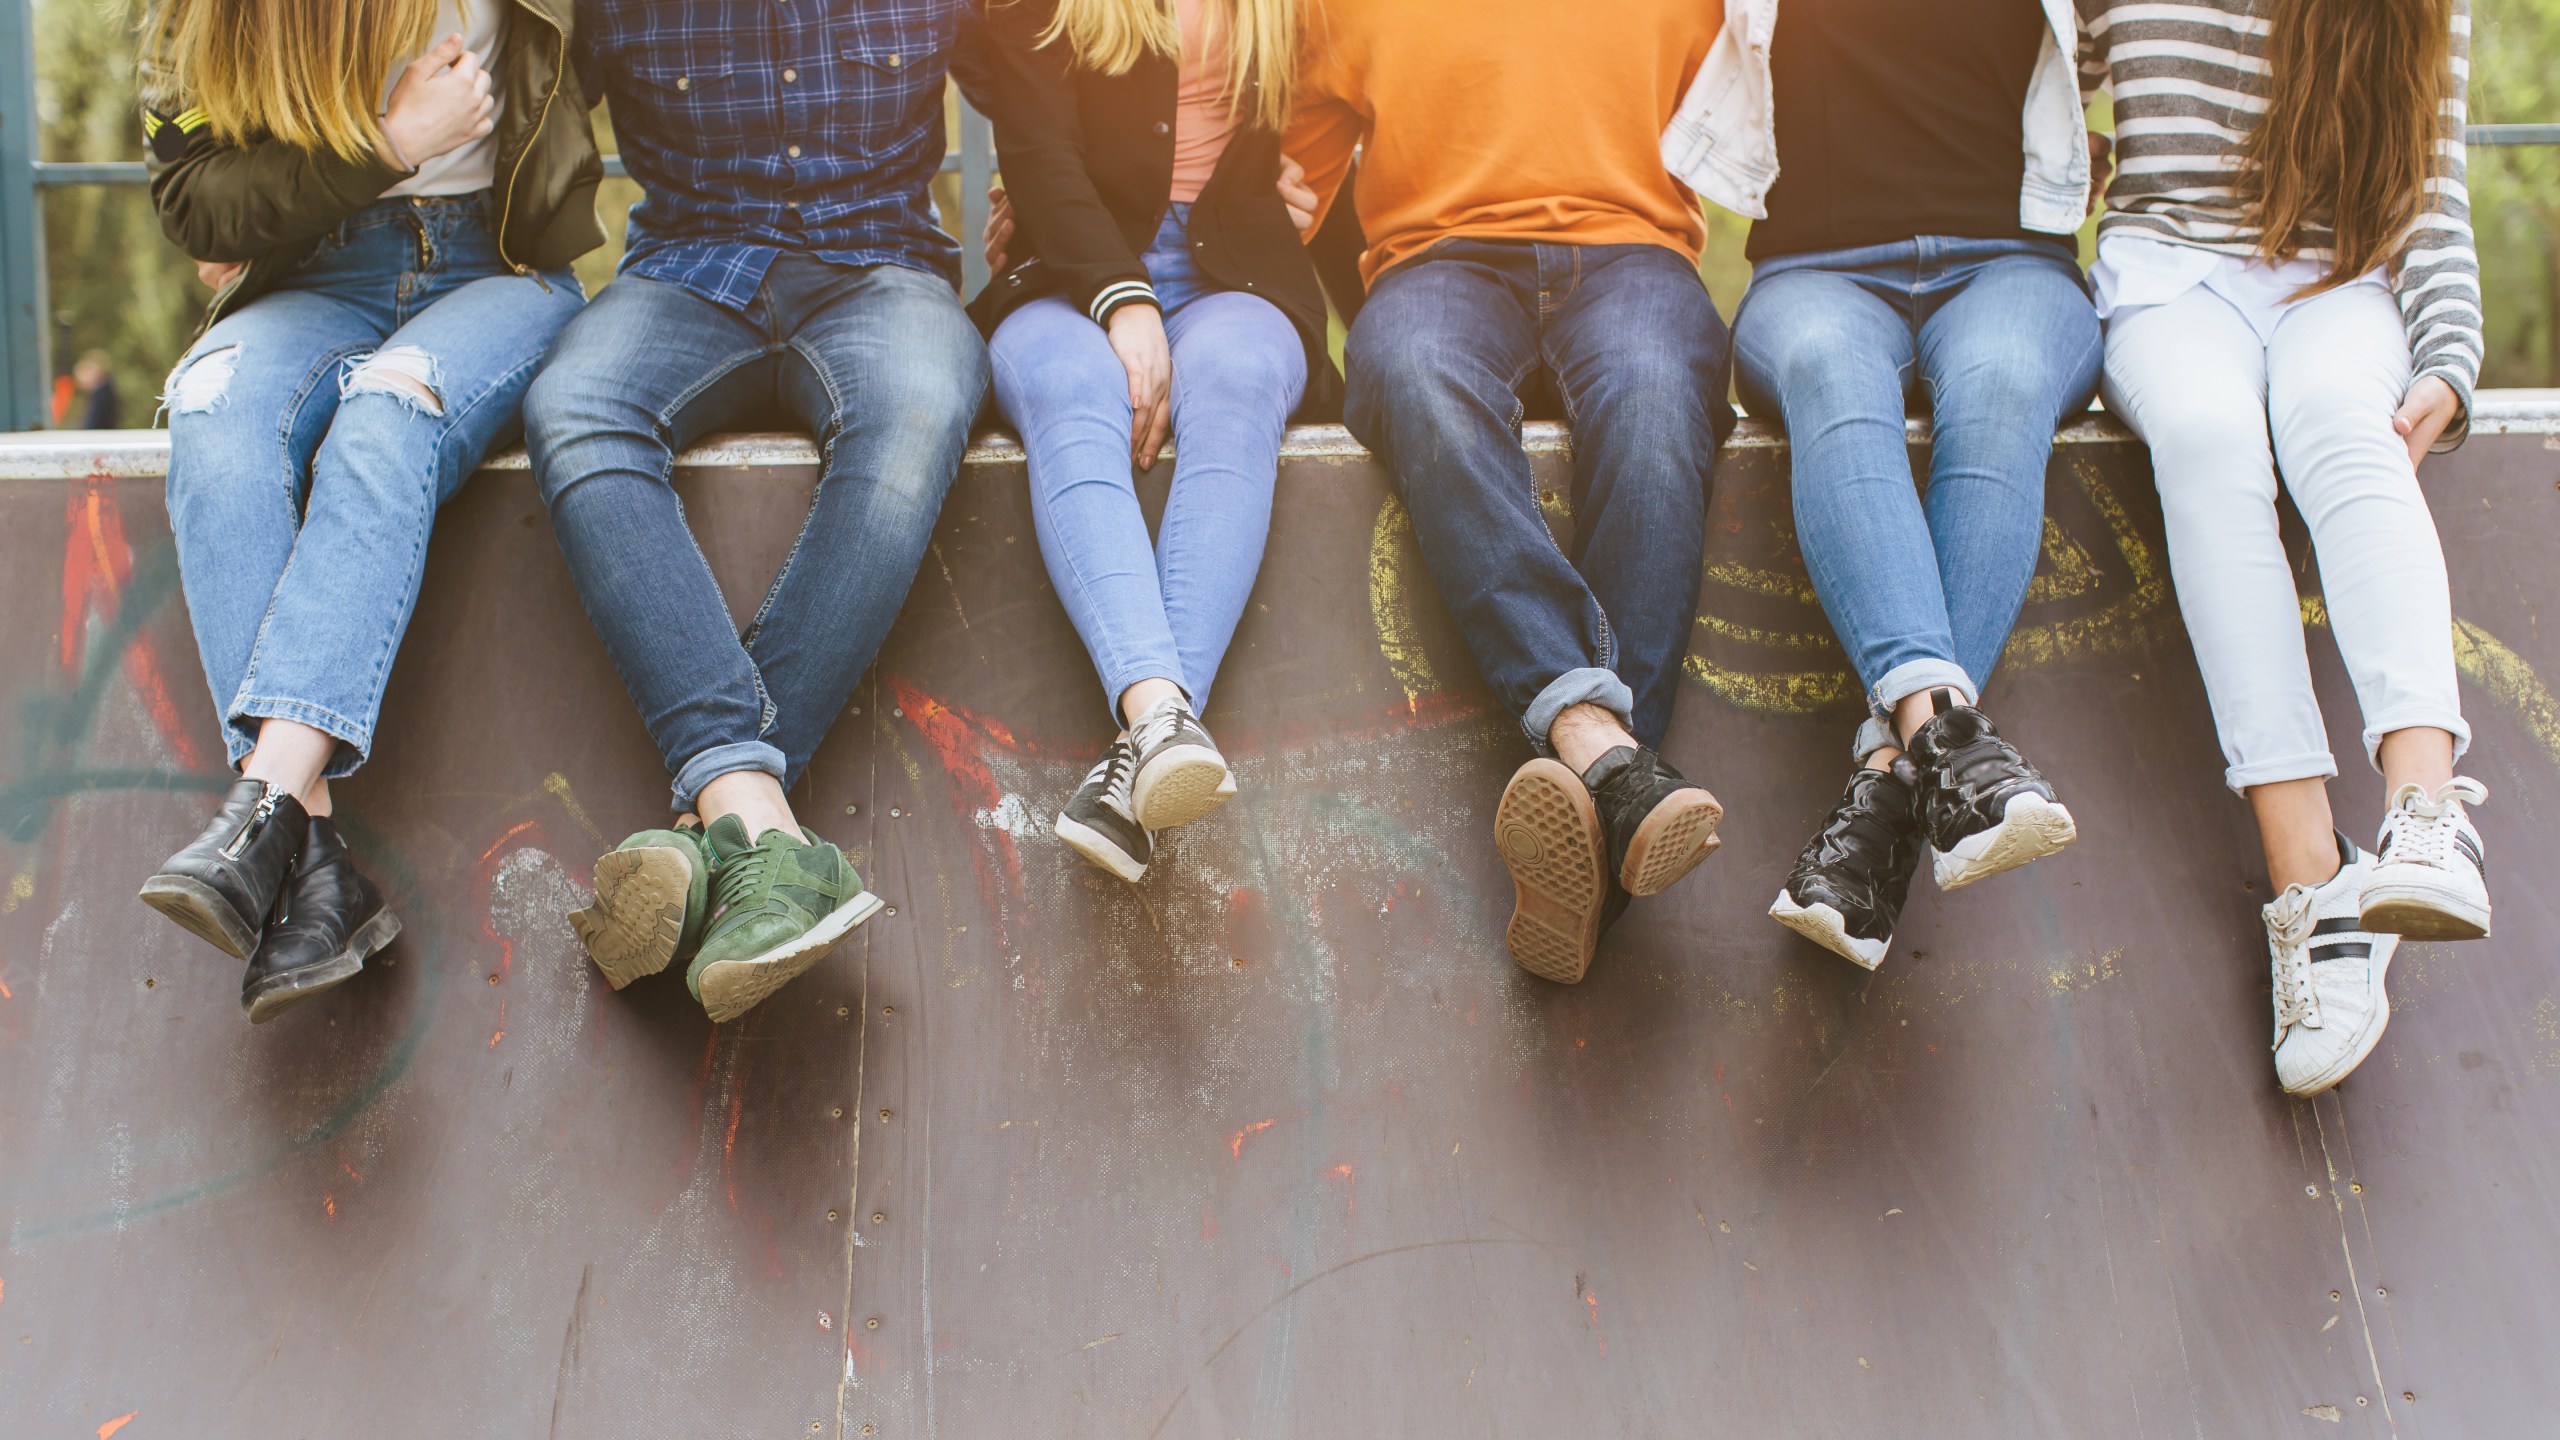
column 1116, row 662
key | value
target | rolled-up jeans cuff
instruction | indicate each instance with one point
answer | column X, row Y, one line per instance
column 1911, row 677
column 722, row 760
column 2412, row 718
column 1588, row 686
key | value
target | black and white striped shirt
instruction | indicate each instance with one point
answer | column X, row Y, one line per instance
column 2189, row 80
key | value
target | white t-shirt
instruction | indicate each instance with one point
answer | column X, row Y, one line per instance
column 472, row 167
column 2135, row 270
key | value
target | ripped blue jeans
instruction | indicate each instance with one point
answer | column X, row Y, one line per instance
column 314, row 432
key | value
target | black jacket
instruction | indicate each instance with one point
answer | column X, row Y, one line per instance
column 1088, row 161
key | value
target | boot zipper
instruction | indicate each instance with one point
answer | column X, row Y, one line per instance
column 533, row 137
column 258, row 818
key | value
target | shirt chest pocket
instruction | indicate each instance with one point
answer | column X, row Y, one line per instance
column 891, row 85
column 698, row 83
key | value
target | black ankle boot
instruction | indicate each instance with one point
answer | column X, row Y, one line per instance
column 328, row 920
column 223, row 884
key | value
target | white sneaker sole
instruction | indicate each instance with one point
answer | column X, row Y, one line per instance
column 1099, row 850
column 1179, row 785
column 2422, row 911
column 731, row 988
column 2031, row 828
column 1826, row 927
column 2370, row 1036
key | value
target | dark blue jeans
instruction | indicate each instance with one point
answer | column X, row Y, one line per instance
column 880, row 364
column 2000, row 337
column 1435, row 367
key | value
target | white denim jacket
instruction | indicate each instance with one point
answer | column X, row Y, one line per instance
column 1723, row 141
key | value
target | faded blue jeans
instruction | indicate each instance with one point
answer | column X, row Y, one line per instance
column 880, row 364
column 1164, row 611
column 305, row 472
column 2001, row 339
column 1435, row 367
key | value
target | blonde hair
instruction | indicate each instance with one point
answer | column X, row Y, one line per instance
column 1262, row 43
column 306, row 72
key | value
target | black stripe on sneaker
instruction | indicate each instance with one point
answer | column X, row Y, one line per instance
column 2470, row 849
column 2339, row 925
column 2343, row 950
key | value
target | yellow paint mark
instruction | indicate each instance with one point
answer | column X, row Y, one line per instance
column 2086, row 974
column 2485, row 661
column 21, row 886
column 118, row 1423
column 1795, row 693
column 2068, row 572
column 1776, row 583
column 558, row 785
column 1775, row 639
column 2123, row 625
column 1392, row 557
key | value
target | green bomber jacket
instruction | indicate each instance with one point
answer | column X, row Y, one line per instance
column 268, row 203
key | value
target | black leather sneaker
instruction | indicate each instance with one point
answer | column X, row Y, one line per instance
column 1982, row 806
column 224, row 883
column 328, row 920
column 1100, row 822
column 1848, row 886
column 1659, row 824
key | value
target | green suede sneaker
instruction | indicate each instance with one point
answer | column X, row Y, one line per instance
column 652, row 894
column 776, row 907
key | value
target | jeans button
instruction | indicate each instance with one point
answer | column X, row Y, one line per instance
column 1163, row 129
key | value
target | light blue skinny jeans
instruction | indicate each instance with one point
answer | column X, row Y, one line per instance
column 2000, row 338
column 304, row 476
column 1161, row 611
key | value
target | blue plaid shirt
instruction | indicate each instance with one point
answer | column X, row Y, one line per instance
column 764, row 126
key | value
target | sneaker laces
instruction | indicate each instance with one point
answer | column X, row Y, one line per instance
column 2289, row 925
column 2420, row 828
column 1157, row 726
column 739, row 876
column 1115, row 772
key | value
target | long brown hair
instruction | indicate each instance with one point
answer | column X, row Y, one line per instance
column 306, row 72
column 1262, row 43
column 2349, row 138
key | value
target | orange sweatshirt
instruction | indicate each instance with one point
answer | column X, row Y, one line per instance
column 1502, row 119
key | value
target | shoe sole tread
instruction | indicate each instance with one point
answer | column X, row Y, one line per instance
column 1179, row 786
column 2421, row 912
column 1549, row 838
column 636, row 922
column 283, row 992
column 200, row 910
column 1678, row 835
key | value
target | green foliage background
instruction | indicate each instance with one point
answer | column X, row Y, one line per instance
column 117, row 285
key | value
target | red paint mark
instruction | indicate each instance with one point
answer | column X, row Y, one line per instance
column 1208, row 1225
column 1350, row 1196
column 1581, row 1044
column 330, row 1204
column 1591, row 1298
column 494, row 1037
column 4, row 991
column 729, row 1143
column 1719, row 1072
column 1235, row 1142
column 118, row 1423
column 351, row 1171
column 1276, row 1263
column 1728, row 1099
column 500, row 843
column 97, row 563
column 4, row 1289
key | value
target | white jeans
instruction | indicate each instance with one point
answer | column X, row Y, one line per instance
column 2222, row 409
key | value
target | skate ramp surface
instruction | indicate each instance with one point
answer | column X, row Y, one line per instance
column 1278, row 1143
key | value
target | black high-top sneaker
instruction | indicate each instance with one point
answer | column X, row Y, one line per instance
column 1100, row 822
column 1178, row 774
column 222, row 886
column 1659, row 823
column 1982, row 806
column 327, row 921
column 1849, row 884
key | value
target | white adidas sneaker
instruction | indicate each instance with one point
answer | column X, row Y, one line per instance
column 2328, row 971
column 2430, row 876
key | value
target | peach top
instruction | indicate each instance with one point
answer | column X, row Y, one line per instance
column 1203, row 112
